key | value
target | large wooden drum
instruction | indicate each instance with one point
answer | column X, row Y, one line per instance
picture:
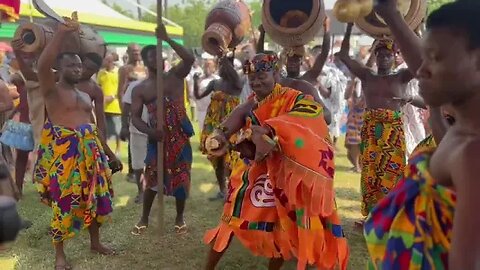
column 414, row 11
column 36, row 36
column 225, row 27
column 292, row 23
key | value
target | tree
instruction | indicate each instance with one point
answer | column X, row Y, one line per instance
column 434, row 4
column 190, row 16
column 118, row 9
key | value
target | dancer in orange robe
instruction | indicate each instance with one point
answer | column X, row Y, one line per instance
column 281, row 200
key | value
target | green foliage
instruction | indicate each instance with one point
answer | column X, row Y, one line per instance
column 118, row 8
column 190, row 16
column 434, row 4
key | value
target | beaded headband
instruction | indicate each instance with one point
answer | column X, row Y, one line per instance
column 386, row 44
column 262, row 62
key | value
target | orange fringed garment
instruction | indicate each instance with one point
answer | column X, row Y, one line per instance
column 10, row 10
column 285, row 205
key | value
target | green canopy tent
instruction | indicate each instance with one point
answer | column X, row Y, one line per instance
column 115, row 28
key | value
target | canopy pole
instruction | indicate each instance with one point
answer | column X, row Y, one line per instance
column 160, row 123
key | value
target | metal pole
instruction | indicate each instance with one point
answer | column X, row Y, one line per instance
column 166, row 7
column 139, row 11
column 160, row 122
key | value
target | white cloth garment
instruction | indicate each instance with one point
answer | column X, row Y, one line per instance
column 202, row 104
column 335, row 80
column 411, row 116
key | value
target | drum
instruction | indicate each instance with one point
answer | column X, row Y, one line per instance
column 36, row 36
column 414, row 12
column 292, row 23
column 225, row 26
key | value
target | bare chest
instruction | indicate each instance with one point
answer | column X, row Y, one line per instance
column 383, row 87
column 74, row 100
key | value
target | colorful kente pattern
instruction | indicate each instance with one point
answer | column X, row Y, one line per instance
column 284, row 206
column 73, row 177
column 355, row 122
column 411, row 228
column 221, row 105
column 383, row 155
column 261, row 63
column 178, row 151
column 428, row 142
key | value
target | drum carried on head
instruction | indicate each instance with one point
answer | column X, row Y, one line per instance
column 366, row 19
column 35, row 38
column 292, row 23
column 225, row 26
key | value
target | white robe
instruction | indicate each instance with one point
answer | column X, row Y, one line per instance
column 337, row 82
column 411, row 116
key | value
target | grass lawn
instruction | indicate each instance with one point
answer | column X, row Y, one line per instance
column 33, row 249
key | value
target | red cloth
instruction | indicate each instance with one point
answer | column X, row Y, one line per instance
column 10, row 10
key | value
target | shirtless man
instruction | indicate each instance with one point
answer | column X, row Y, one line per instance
column 133, row 70
column 72, row 157
column 383, row 139
column 92, row 63
column 177, row 131
column 447, row 65
column 225, row 96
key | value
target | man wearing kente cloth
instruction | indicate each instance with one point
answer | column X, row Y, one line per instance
column 383, row 139
column 280, row 202
column 72, row 170
column 176, row 132
column 225, row 96
column 431, row 220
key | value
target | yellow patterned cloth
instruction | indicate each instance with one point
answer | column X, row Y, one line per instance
column 411, row 229
column 221, row 105
column 73, row 178
column 383, row 155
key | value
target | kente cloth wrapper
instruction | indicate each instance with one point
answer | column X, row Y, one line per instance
column 73, row 177
column 285, row 205
column 382, row 155
column 10, row 10
column 354, row 125
column 178, row 151
column 411, row 228
column 221, row 105
column 428, row 142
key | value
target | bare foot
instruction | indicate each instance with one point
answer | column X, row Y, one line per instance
column 102, row 249
column 61, row 263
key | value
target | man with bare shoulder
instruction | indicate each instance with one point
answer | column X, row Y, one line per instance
column 225, row 96
column 430, row 220
column 176, row 132
column 383, row 140
column 132, row 71
column 72, row 170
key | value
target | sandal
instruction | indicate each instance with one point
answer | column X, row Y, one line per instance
column 138, row 230
column 181, row 229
